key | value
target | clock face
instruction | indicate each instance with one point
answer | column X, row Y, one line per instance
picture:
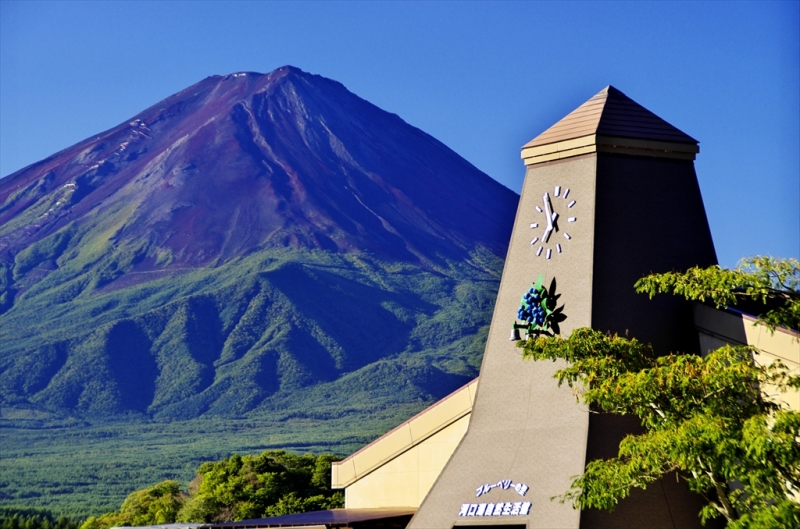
column 551, row 232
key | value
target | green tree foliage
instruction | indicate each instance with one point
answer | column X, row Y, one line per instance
column 272, row 484
column 34, row 519
column 237, row 488
column 757, row 278
column 155, row 505
column 713, row 420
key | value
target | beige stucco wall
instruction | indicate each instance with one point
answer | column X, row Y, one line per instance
column 718, row 327
column 405, row 480
column 525, row 428
column 399, row 468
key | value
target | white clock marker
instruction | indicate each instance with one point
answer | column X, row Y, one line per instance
column 534, row 240
column 549, row 251
column 536, row 225
column 539, row 251
column 566, row 194
column 538, row 209
column 558, row 247
column 567, row 236
column 558, row 190
column 571, row 204
column 572, row 219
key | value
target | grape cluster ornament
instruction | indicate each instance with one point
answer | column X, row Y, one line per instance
column 537, row 312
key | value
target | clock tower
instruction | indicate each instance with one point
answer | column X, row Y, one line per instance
column 610, row 195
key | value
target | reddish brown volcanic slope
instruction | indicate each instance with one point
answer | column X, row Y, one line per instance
column 246, row 161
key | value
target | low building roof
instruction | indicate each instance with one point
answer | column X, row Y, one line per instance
column 331, row 518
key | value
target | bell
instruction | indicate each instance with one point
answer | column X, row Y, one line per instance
column 514, row 334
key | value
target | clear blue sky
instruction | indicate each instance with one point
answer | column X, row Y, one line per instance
column 483, row 77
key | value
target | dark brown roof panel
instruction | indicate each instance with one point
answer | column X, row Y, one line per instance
column 328, row 518
column 611, row 113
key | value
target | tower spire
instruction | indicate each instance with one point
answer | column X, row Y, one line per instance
column 610, row 121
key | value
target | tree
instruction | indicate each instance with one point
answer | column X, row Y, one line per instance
column 759, row 279
column 237, row 488
column 15, row 518
column 272, row 484
column 708, row 419
column 155, row 505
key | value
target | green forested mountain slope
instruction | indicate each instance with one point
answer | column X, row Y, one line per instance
column 274, row 330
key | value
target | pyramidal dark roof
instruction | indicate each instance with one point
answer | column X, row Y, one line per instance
column 611, row 113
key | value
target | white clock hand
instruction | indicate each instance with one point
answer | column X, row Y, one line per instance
column 548, row 211
column 547, row 233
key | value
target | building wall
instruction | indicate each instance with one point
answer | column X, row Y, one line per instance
column 399, row 468
column 405, row 480
column 717, row 328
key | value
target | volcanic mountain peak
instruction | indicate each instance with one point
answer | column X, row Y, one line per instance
column 250, row 246
column 245, row 161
